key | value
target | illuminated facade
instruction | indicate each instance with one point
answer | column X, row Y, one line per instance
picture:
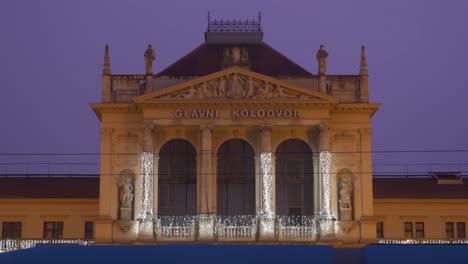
column 235, row 142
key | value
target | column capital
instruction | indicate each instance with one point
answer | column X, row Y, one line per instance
column 365, row 131
column 148, row 128
column 265, row 138
column 324, row 135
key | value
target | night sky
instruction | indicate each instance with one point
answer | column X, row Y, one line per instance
column 51, row 56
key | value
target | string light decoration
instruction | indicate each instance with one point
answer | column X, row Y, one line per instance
column 422, row 241
column 7, row 245
column 146, row 214
column 265, row 162
column 325, row 164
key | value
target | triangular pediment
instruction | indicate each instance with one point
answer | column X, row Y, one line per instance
column 235, row 84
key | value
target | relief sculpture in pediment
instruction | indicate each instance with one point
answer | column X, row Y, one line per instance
column 235, row 86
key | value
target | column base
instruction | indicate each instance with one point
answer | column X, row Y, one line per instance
column 327, row 229
column 145, row 230
column 266, row 228
column 206, row 227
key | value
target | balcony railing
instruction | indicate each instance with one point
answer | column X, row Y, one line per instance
column 236, row 228
column 175, row 228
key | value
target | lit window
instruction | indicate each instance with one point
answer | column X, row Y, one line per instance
column 89, row 230
column 380, row 231
column 53, row 230
column 408, row 230
column 11, row 230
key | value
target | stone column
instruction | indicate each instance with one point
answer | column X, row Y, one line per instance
column 146, row 217
column 206, row 219
column 267, row 216
column 327, row 219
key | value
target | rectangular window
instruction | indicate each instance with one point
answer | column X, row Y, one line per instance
column 11, row 230
column 408, row 230
column 380, row 232
column 461, row 233
column 449, row 227
column 419, row 230
column 89, row 230
column 53, row 230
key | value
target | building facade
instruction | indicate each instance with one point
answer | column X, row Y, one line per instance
column 235, row 142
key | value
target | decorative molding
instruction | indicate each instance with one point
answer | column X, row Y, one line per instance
column 235, row 83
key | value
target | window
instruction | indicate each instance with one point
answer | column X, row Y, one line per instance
column 461, row 233
column 380, row 232
column 455, row 228
column 419, row 230
column 408, row 230
column 53, row 230
column 89, row 230
column 449, row 233
column 11, row 230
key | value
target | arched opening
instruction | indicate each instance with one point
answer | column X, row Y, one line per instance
column 177, row 178
column 294, row 178
column 236, row 178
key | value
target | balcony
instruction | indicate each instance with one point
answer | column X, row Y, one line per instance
column 242, row 228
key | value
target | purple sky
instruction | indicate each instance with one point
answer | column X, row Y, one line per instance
column 51, row 55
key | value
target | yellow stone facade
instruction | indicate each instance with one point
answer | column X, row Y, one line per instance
column 327, row 115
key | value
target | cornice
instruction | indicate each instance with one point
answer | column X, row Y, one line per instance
column 100, row 108
column 370, row 108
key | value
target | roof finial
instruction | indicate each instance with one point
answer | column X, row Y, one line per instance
column 107, row 69
column 363, row 70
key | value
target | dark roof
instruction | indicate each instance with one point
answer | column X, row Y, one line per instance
column 418, row 188
column 49, row 187
column 208, row 58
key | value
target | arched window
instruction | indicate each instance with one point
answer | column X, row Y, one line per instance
column 177, row 178
column 236, row 178
column 294, row 178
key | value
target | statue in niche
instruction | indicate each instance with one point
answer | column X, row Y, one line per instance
column 322, row 55
column 126, row 193
column 149, row 58
column 345, row 193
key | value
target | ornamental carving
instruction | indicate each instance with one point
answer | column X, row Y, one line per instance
column 235, row 86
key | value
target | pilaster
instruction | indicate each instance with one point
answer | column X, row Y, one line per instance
column 146, row 217
column 267, row 216
column 206, row 219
